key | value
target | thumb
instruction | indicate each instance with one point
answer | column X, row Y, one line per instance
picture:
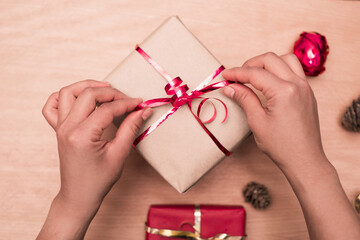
column 129, row 129
column 245, row 97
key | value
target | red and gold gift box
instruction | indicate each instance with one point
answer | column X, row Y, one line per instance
column 205, row 222
column 179, row 146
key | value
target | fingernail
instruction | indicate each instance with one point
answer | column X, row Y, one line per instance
column 146, row 113
column 229, row 91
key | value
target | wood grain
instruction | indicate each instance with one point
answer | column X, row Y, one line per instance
column 45, row 45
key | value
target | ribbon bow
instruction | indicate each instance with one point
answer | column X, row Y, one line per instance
column 179, row 97
column 191, row 235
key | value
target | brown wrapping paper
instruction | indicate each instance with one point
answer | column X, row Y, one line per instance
column 180, row 150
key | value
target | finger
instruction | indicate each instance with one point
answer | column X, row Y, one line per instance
column 273, row 63
column 68, row 95
column 261, row 79
column 293, row 62
column 105, row 114
column 86, row 103
column 50, row 109
column 246, row 98
column 128, row 131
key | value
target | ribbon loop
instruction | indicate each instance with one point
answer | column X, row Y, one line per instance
column 173, row 86
column 178, row 92
column 215, row 112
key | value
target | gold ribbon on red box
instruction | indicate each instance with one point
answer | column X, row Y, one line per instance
column 196, row 235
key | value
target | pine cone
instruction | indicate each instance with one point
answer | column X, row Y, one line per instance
column 257, row 194
column 351, row 119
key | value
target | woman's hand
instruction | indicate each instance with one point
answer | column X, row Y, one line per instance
column 287, row 127
column 89, row 165
column 287, row 130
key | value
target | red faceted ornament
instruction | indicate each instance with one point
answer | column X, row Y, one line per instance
column 311, row 49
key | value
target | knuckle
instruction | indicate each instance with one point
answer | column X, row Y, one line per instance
column 63, row 91
column 87, row 82
column 44, row 111
column 53, row 95
column 246, row 63
column 89, row 91
column 69, row 137
column 270, row 55
column 292, row 59
column 46, row 107
column 291, row 90
column 292, row 56
column 72, row 138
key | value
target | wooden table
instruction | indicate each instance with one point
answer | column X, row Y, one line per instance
column 45, row 45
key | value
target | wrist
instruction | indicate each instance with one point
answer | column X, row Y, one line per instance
column 303, row 161
column 67, row 219
column 316, row 170
column 74, row 208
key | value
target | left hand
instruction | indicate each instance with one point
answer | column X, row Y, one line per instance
column 90, row 165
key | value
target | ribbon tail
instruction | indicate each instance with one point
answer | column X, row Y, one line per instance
column 218, row 144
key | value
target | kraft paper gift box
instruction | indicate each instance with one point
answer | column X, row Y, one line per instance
column 167, row 222
column 179, row 149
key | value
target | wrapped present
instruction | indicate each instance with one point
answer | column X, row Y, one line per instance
column 175, row 140
column 205, row 222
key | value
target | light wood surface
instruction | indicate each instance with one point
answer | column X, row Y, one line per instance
column 45, row 45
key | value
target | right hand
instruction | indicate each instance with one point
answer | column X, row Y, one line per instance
column 287, row 127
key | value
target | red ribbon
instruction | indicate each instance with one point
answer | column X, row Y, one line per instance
column 180, row 97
